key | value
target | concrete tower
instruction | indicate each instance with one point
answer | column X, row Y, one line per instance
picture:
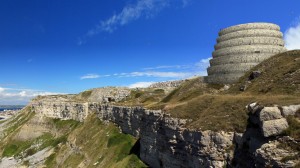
column 241, row 47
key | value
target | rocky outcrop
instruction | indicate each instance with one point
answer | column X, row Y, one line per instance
column 261, row 145
column 167, row 84
column 164, row 141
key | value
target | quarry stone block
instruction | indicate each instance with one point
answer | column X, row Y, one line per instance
column 290, row 110
column 269, row 113
column 274, row 127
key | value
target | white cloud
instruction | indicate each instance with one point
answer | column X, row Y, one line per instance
column 203, row 63
column 168, row 67
column 20, row 96
column 292, row 37
column 157, row 74
column 90, row 76
column 140, row 85
column 173, row 71
column 131, row 12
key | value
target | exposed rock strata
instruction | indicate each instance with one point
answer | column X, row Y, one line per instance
column 260, row 145
column 165, row 142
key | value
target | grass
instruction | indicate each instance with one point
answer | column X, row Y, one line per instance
column 294, row 128
column 15, row 148
column 211, row 108
column 143, row 97
column 124, row 143
column 23, row 117
column 65, row 125
column 99, row 143
column 51, row 161
column 279, row 75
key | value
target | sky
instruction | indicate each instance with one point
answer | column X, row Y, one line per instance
column 68, row 46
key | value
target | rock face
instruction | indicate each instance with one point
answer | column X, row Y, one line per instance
column 241, row 47
column 260, row 145
column 163, row 141
column 166, row 142
column 172, row 84
column 109, row 94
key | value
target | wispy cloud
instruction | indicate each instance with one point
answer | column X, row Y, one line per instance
column 292, row 37
column 168, row 67
column 167, row 71
column 140, row 85
column 20, row 96
column 90, row 76
column 130, row 13
column 158, row 74
column 203, row 63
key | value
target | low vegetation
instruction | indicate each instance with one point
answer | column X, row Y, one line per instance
column 143, row 97
column 100, row 144
column 74, row 144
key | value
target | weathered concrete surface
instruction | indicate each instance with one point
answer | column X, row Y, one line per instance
column 241, row 47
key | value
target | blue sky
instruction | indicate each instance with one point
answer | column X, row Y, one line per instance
column 67, row 46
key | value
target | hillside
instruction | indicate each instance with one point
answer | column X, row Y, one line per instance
column 193, row 124
column 214, row 107
column 44, row 142
column 279, row 75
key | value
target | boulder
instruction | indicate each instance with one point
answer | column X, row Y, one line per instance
column 269, row 113
column 290, row 110
column 274, row 127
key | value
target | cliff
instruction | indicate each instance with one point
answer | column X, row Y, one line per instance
column 164, row 141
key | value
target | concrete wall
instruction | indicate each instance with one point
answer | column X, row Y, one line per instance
column 239, row 48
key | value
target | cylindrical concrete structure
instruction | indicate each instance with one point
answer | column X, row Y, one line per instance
column 241, row 47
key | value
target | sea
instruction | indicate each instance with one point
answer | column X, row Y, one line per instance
column 12, row 108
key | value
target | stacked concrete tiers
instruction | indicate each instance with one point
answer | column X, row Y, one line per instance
column 241, row 47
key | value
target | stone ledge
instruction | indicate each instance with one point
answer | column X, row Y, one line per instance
column 250, row 33
column 229, row 68
column 223, row 78
column 250, row 41
column 248, row 49
column 268, row 26
column 243, row 58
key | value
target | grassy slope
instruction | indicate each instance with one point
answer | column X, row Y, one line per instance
column 279, row 75
column 88, row 144
column 100, row 144
column 211, row 108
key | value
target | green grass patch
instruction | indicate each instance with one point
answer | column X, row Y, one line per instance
column 294, row 128
column 65, row 124
column 49, row 141
column 74, row 160
column 51, row 161
column 135, row 162
column 124, row 142
column 15, row 148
